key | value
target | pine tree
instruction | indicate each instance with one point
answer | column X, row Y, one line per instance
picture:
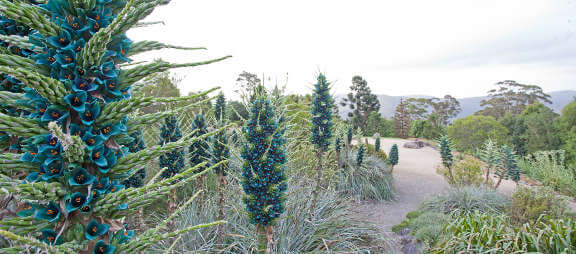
column 221, row 153
column 402, row 119
column 446, row 154
column 321, row 127
column 393, row 156
column 75, row 155
column 263, row 176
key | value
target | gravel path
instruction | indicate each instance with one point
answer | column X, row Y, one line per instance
column 415, row 179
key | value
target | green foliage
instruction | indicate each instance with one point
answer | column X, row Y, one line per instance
column 429, row 226
column 489, row 233
column 541, row 130
column 549, row 168
column 567, row 126
column 517, row 136
column 469, row 133
column 402, row 120
column 446, row 152
column 444, row 108
column 174, row 160
column 528, row 204
column 510, row 164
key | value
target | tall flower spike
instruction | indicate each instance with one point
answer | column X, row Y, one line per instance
column 72, row 115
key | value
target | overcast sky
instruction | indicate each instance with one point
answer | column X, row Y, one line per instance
column 401, row 47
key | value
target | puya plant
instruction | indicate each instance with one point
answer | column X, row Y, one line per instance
column 80, row 117
column 447, row 157
column 171, row 163
column 220, row 154
column 322, row 105
column 393, row 156
column 199, row 151
column 263, row 178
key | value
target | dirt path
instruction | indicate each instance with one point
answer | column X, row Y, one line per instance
column 415, row 179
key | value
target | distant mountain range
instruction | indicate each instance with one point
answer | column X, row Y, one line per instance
column 469, row 105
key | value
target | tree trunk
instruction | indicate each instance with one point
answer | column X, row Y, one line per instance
column 499, row 181
column 221, row 203
column 269, row 239
column 487, row 175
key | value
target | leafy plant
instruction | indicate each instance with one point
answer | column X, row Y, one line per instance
column 549, row 168
column 528, row 204
column 467, row 172
column 372, row 181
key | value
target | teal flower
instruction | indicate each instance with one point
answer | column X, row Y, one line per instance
column 50, row 213
column 112, row 129
column 102, row 248
column 95, row 229
column 111, row 86
column 124, row 235
column 76, row 201
column 54, row 113
column 77, row 101
column 86, row 209
column 81, row 177
column 98, row 157
column 79, row 130
column 49, row 237
column 52, row 167
column 46, row 58
column 65, row 58
column 81, row 84
column 93, row 141
column 49, row 151
column 108, row 69
column 76, row 46
column 60, row 41
column 91, row 113
column 100, row 186
column 28, row 211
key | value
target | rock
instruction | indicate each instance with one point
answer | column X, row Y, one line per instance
column 414, row 144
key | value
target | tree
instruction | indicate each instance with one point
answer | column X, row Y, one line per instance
column 361, row 101
column 470, row 133
column 444, row 108
column 247, row 82
column 517, row 136
column 567, row 126
column 402, row 120
column 81, row 113
column 238, row 111
column 220, row 155
column 393, row 156
column 512, row 97
column 541, row 132
column 263, row 177
column 321, row 126
column 160, row 86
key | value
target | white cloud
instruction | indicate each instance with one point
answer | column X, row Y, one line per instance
column 400, row 47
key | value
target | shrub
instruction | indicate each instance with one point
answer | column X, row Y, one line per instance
column 548, row 167
column 429, row 226
column 468, row 198
column 528, row 204
column 467, row 172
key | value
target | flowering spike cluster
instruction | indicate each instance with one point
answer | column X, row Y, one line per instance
column 360, row 155
column 220, row 150
column 137, row 144
column 349, row 135
column 322, row 114
column 377, row 144
column 393, row 156
column 338, row 145
column 263, row 177
column 446, row 152
column 76, row 152
column 172, row 161
column 199, row 151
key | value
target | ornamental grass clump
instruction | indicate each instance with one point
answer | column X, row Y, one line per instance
column 75, row 155
column 263, row 178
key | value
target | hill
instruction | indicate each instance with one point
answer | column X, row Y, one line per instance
column 469, row 104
